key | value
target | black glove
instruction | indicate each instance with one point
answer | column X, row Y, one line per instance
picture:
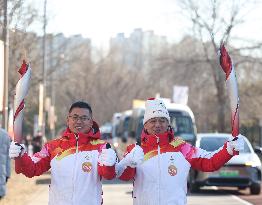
column 6, row 179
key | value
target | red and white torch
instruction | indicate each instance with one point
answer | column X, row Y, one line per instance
column 231, row 83
column 22, row 87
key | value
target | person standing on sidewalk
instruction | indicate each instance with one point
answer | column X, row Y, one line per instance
column 78, row 160
column 160, row 166
column 5, row 170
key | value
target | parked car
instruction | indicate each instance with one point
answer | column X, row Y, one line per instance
column 242, row 171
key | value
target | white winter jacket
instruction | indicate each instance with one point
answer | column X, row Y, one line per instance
column 75, row 172
column 162, row 178
column 4, row 160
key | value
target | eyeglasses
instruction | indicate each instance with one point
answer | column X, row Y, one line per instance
column 83, row 118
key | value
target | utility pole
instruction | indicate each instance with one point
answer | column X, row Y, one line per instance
column 6, row 65
column 52, row 92
column 42, row 88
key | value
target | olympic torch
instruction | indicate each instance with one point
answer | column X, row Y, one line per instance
column 231, row 83
column 22, row 87
column 19, row 104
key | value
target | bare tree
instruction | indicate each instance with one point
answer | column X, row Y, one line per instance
column 213, row 22
column 21, row 44
column 108, row 85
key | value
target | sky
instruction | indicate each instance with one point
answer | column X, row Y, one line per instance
column 102, row 19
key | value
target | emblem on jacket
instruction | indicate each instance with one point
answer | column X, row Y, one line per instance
column 172, row 170
column 87, row 166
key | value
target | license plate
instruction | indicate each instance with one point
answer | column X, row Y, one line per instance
column 229, row 173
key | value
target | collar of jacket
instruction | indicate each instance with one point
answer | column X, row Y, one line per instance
column 159, row 139
column 94, row 133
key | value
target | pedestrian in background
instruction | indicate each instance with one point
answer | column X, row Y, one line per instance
column 37, row 143
column 78, row 159
column 5, row 170
column 160, row 166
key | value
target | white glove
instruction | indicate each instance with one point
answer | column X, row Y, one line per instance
column 135, row 157
column 107, row 157
column 16, row 150
column 237, row 145
column 132, row 159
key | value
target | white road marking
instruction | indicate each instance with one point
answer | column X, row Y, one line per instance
column 241, row 200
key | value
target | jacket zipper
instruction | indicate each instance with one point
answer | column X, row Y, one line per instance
column 159, row 170
column 74, row 172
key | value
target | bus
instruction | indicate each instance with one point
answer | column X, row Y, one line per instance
column 121, row 137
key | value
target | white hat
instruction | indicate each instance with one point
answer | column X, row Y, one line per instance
column 155, row 108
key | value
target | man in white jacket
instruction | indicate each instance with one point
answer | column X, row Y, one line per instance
column 160, row 166
column 78, row 160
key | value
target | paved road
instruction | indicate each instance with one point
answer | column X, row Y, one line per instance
column 117, row 194
column 120, row 193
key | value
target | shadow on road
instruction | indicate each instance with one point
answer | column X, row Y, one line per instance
column 43, row 181
column 220, row 191
column 116, row 181
column 243, row 194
